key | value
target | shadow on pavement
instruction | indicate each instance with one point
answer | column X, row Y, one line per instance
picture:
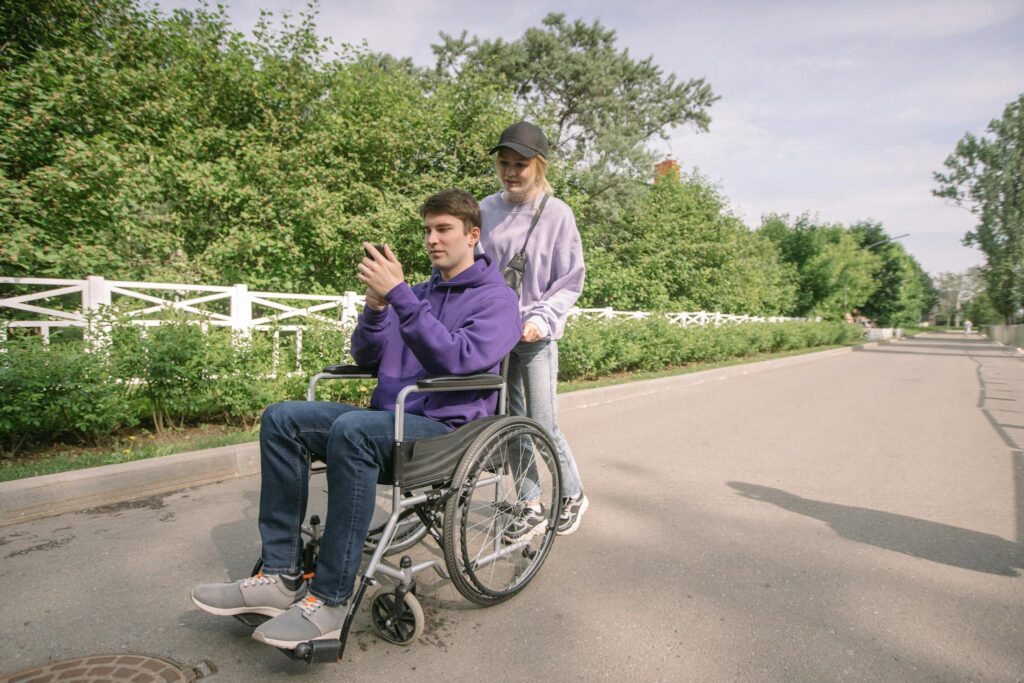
column 981, row 350
column 933, row 541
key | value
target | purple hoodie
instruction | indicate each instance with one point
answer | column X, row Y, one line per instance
column 462, row 326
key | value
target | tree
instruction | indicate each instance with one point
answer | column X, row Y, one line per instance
column 986, row 176
column 598, row 104
column 963, row 296
column 173, row 148
column 834, row 274
column 905, row 294
column 683, row 250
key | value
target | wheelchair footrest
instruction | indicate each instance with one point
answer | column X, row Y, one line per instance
column 316, row 651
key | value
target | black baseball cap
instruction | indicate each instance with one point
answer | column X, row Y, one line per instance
column 525, row 138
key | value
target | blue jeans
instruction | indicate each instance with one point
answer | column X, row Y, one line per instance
column 533, row 380
column 357, row 444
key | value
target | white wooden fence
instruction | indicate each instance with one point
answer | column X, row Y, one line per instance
column 683, row 318
column 71, row 303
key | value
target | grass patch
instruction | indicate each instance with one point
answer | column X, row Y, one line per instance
column 140, row 446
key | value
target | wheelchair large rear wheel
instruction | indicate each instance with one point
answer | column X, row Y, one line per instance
column 511, row 465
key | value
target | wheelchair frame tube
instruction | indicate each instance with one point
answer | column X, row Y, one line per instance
column 311, row 388
column 412, row 389
column 398, row 503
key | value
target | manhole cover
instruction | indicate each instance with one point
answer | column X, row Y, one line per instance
column 106, row 668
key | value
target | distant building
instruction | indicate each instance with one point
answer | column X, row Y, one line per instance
column 667, row 168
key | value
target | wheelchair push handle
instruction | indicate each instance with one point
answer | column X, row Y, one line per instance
column 484, row 380
column 350, row 371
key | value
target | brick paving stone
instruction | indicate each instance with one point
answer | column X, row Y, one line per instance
column 136, row 668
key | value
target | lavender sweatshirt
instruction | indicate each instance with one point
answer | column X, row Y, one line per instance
column 554, row 275
column 460, row 326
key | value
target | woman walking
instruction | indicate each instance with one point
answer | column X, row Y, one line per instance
column 525, row 221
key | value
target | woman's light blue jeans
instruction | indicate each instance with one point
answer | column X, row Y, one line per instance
column 357, row 445
column 532, row 384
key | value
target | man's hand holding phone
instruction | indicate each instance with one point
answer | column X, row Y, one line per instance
column 380, row 271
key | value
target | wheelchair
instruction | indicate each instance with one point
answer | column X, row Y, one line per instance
column 465, row 490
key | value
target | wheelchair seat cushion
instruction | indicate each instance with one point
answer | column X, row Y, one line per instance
column 433, row 459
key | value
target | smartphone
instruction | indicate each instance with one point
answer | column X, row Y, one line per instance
column 378, row 247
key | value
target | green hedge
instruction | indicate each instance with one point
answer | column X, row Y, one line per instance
column 178, row 373
column 167, row 376
column 596, row 348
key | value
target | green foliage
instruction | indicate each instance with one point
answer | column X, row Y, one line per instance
column 62, row 390
column 600, row 105
column 683, row 250
column 170, row 148
column 173, row 364
column 833, row 273
column 29, row 26
column 905, row 294
column 964, row 296
column 165, row 377
column 986, row 175
column 981, row 311
column 596, row 348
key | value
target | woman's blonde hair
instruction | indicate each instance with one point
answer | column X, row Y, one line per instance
column 540, row 164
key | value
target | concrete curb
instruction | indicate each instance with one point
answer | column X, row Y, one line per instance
column 53, row 494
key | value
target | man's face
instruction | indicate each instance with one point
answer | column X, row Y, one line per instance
column 449, row 247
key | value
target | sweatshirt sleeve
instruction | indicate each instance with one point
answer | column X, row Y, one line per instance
column 369, row 337
column 565, row 284
column 486, row 336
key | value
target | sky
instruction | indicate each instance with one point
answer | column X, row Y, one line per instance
column 838, row 109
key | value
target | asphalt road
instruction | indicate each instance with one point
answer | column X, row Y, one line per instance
column 857, row 517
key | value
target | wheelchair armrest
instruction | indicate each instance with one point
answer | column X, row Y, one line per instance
column 352, row 370
column 484, row 380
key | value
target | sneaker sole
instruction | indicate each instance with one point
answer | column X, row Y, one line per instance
column 233, row 611
column 571, row 529
column 292, row 644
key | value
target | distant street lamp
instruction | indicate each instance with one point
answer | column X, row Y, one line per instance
column 887, row 239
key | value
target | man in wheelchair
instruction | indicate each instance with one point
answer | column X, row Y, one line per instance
column 463, row 320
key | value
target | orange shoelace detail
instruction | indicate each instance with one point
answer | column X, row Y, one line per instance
column 310, row 604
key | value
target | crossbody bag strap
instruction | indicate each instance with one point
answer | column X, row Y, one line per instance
column 533, row 223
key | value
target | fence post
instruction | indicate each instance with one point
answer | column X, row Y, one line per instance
column 95, row 296
column 96, row 293
column 241, row 310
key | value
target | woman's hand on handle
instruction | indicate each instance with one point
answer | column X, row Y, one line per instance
column 530, row 333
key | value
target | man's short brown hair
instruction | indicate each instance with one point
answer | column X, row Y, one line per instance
column 454, row 202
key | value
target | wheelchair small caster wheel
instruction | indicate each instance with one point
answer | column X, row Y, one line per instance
column 402, row 629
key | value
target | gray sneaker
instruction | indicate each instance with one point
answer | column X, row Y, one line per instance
column 310, row 619
column 261, row 594
column 572, row 514
column 529, row 522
